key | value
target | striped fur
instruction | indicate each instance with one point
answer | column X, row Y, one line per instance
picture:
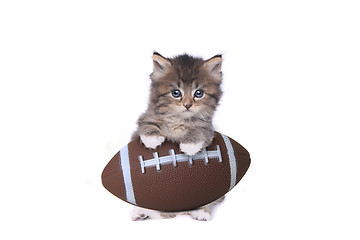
column 167, row 116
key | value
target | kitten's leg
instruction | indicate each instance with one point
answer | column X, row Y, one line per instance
column 150, row 133
column 138, row 214
column 143, row 214
column 204, row 213
column 196, row 140
column 201, row 214
column 167, row 215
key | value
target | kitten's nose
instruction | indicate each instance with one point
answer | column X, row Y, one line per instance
column 187, row 105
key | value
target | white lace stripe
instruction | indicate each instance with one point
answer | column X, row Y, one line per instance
column 173, row 158
column 232, row 161
column 125, row 165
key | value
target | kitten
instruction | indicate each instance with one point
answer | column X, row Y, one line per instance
column 185, row 92
column 201, row 214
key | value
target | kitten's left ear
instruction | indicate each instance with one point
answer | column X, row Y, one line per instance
column 213, row 65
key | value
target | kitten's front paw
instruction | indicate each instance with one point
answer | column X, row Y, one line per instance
column 152, row 141
column 191, row 148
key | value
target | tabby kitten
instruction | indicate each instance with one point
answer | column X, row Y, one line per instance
column 184, row 94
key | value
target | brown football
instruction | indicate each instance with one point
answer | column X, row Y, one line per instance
column 166, row 179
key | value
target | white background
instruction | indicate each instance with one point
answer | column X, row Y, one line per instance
column 74, row 79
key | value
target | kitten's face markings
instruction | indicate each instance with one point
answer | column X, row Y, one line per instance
column 185, row 86
column 187, row 98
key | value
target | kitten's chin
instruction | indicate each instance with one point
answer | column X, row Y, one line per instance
column 191, row 113
column 183, row 113
column 187, row 114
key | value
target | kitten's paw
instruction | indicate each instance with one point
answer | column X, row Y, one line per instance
column 191, row 148
column 137, row 215
column 201, row 214
column 152, row 141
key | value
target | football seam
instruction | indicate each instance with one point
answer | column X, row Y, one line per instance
column 124, row 162
column 232, row 161
column 176, row 158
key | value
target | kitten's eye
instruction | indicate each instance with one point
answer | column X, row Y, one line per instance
column 176, row 93
column 199, row 93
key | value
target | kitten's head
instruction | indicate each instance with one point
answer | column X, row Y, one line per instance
column 186, row 86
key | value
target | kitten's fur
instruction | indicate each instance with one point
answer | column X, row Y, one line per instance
column 185, row 92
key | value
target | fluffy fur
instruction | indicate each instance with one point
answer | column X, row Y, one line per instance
column 186, row 119
column 185, row 92
column 201, row 214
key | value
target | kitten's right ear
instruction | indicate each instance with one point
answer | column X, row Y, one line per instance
column 214, row 64
column 161, row 64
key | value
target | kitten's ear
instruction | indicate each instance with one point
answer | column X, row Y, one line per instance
column 161, row 64
column 213, row 65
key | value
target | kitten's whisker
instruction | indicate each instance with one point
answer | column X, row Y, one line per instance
column 202, row 117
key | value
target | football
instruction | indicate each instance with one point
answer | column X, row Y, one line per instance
column 165, row 179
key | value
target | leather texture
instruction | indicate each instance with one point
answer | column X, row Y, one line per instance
column 186, row 186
